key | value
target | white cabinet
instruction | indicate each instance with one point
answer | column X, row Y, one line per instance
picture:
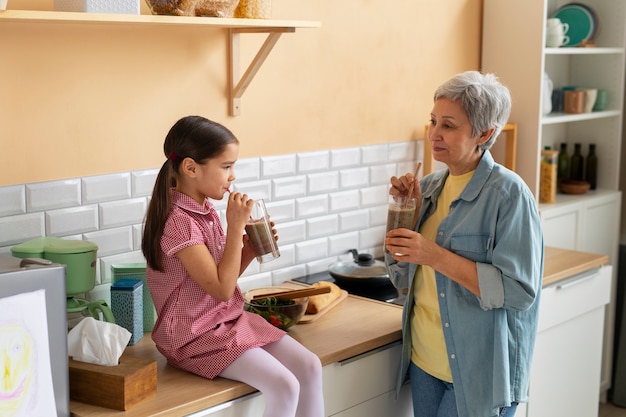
column 565, row 375
column 589, row 223
column 362, row 386
column 365, row 385
column 513, row 48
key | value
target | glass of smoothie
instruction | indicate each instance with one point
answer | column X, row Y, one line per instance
column 401, row 212
column 260, row 233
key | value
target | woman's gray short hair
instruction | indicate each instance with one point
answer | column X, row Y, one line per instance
column 486, row 101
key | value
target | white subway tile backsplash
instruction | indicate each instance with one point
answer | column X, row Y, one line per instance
column 341, row 244
column 20, row 228
column 142, row 182
column 278, row 166
column 345, row 200
column 291, row 187
column 378, row 215
column 402, row 151
column 405, row 168
column 341, row 158
column 106, row 188
column 374, row 154
column 248, row 169
column 137, row 236
column 310, row 250
column 255, row 190
column 324, row 182
column 376, row 195
column 372, row 237
column 63, row 222
column 281, row 211
column 291, row 232
column 287, row 256
column 323, row 203
column 381, row 174
column 313, row 161
column 12, row 200
column 322, row 226
column 354, row 220
column 51, row 195
column 320, row 265
column 284, row 274
column 311, row 206
column 255, row 281
column 354, row 178
column 112, row 241
column 122, row 213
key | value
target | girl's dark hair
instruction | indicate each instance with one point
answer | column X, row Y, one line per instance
column 192, row 137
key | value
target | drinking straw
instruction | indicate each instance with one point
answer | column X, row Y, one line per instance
column 418, row 204
column 410, row 194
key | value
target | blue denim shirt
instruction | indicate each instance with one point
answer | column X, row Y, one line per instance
column 489, row 339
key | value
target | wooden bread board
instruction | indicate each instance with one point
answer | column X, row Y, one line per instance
column 310, row 318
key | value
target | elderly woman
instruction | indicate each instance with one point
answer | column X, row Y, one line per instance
column 473, row 266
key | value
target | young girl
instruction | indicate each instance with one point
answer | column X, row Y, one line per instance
column 192, row 273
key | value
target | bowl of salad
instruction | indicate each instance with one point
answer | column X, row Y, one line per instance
column 282, row 313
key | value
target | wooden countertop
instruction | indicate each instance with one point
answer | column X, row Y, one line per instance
column 337, row 336
column 563, row 263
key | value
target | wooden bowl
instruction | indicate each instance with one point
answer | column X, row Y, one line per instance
column 574, row 187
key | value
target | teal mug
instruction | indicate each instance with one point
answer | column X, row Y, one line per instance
column 601, row 100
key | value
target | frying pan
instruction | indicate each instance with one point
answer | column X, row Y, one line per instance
column 362, row 270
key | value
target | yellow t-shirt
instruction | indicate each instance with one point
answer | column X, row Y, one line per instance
column 429, row 348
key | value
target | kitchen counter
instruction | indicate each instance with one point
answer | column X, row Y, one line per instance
column 355, row 326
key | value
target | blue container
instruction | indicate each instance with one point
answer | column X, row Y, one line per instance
column 137, row 270
column 127, row 306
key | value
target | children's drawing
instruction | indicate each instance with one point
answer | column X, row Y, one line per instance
column 25, row 374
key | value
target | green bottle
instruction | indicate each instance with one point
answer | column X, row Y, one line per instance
column 591, row 170
column 563, row 163
column 577, row 164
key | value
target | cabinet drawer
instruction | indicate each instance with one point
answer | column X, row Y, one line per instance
column 359, row 379
column 383, row 405
column 572, row 297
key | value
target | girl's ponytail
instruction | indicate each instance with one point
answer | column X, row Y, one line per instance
column 158, row 211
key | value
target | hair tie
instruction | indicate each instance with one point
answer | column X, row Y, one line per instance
column 173, row 156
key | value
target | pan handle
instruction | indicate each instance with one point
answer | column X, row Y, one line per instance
column 362, row 259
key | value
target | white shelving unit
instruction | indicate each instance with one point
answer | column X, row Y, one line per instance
column 238, row 83
column 513, row 48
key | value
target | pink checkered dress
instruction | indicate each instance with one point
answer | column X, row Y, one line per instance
column 194, row 331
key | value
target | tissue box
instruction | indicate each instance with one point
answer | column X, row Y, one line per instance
column 98, row 6
column 127, row 306
column 137, row 270
column 118, row 387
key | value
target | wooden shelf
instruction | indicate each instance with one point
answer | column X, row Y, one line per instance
column 111, row 18
column 237, row 85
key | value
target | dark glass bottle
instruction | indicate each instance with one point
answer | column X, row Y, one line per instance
column 577, row 164
column 591, row 170
column 563, row 163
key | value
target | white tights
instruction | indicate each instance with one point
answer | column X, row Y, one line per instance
column 288, row 375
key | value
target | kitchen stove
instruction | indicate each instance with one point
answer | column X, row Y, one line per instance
column 381, row 292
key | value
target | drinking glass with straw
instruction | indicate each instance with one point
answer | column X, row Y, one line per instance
column 403, row 210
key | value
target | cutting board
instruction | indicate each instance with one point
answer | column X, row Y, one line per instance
column 310, row 318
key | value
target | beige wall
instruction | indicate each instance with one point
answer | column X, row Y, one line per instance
column 86, row 99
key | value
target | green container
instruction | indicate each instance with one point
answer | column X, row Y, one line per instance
column 137, row 271
column 78, row 256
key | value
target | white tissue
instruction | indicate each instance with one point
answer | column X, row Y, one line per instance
column 97, row 342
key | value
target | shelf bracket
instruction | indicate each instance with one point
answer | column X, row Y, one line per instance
column 237, row 85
